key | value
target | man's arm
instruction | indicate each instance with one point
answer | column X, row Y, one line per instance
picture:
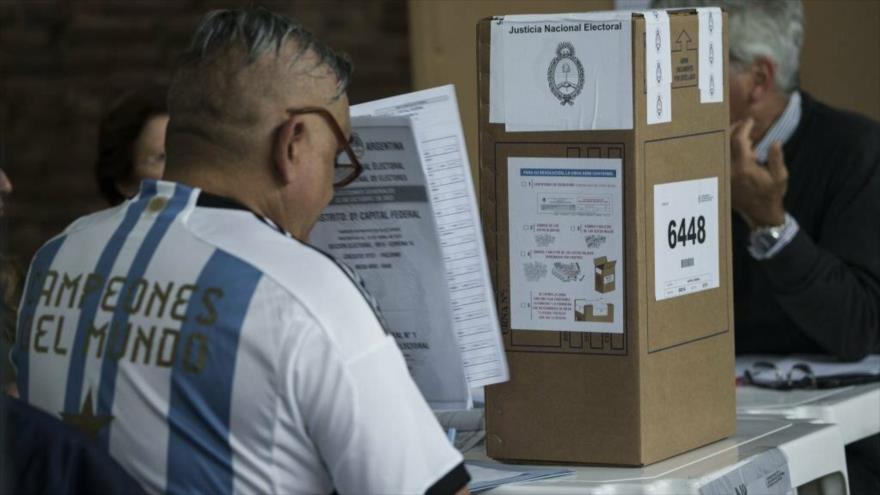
column 829, row 286
column 374, row 431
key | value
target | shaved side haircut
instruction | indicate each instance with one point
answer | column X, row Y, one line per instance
column 241, row 65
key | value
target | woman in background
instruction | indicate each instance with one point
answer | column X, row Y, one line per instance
column 10, row 292
column 131, row 142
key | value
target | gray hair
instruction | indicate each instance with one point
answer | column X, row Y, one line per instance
column 760, row 28
column 221, row 95
column 259, row 31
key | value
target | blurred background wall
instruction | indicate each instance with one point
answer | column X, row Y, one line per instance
column 63, row 61
column 839, row 60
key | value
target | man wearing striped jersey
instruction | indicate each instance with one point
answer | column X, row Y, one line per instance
column 194, row 334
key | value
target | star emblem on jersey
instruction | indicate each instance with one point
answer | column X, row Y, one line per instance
column 565, row 74
column 87, row 421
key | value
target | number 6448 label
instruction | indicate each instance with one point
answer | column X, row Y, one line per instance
column 685, row 237
column 680, row 233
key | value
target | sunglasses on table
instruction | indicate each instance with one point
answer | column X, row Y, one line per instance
column 347, row 167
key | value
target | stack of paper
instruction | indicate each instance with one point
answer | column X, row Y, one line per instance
column 469, row 427
column 410, row 227
column 488, row 475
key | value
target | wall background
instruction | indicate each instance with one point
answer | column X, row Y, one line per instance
column 63, row 61
column 839, row 61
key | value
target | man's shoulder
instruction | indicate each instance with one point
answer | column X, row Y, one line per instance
column 81, row 226
column 302, row 274
column 93, row 220
column 289, row 262
column 844, row 126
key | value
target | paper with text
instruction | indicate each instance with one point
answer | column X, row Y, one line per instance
column 768, row 473
column 685, row 237
column 562, row 72
column 488, row 475
column 382, row 226
column 566, row 244
column 437, row 126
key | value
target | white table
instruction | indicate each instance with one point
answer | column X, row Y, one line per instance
column 855, row 410
column 800, row 442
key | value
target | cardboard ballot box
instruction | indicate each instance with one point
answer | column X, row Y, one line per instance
column 604, row 274
column 604, row 137
column 592, row 312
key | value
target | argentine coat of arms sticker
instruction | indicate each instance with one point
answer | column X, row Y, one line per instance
column 565, row 74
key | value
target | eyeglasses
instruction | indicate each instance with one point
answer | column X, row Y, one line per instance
column 347, row 167
column 766, row 374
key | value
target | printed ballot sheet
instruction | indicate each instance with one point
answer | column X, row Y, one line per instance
column 685, row 237
column 562, row 72
column 437, row 126
column 382, row 227
column 566, row 244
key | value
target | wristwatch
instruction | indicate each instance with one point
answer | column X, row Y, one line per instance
column 764, row 242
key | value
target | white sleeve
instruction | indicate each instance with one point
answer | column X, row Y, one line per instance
column 369, row 422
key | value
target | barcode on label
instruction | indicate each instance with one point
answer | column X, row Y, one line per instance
column 687, row 262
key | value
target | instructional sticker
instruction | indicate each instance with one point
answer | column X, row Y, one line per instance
column 566, row 244
column 685, row 237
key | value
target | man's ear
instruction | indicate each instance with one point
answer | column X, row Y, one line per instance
column 763, row 79
column 284, row 148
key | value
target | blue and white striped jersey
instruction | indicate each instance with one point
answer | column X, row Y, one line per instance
column 209, row 352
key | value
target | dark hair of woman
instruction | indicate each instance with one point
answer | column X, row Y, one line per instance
column 118, row 134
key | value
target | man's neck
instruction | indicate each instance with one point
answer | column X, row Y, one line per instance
column 261, row 200
column 768, row 114
column 221, row 183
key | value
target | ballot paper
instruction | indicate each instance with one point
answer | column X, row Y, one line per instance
column 469, row 427
column 382, row 226
column 487, row 475
column 437, row 126
column 410, row 227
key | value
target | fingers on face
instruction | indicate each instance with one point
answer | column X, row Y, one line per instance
column 741, row 142
column 776, row 164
